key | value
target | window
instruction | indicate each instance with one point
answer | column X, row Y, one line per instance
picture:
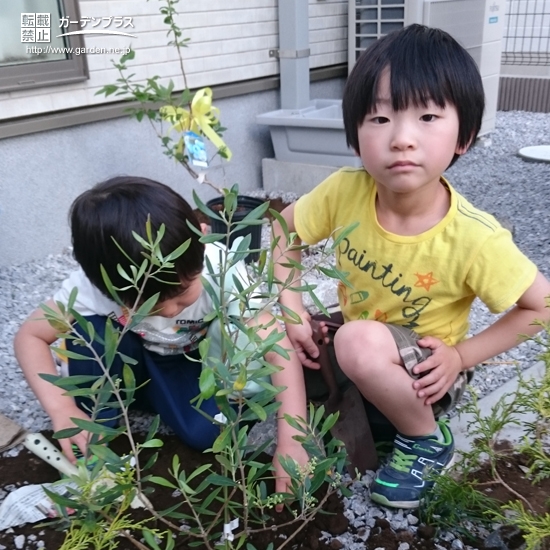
column 31, row 55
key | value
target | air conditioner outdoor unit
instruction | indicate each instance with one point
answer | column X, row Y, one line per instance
column 476, row 24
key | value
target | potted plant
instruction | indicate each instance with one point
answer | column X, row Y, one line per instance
column 186, row 122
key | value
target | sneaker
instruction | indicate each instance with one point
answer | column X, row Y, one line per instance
column 402, row 482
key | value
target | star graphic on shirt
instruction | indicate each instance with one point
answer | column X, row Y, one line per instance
column 380, row 316
column 426, row 281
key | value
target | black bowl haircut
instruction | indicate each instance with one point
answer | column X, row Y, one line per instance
column 424, row 64
column 113, row 210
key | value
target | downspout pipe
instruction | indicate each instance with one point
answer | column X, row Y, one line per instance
column 294, row 53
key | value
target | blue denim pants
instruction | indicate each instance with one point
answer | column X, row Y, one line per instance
column 173, row 381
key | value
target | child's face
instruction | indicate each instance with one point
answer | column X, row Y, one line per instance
column 174, row 306
column 407, row 150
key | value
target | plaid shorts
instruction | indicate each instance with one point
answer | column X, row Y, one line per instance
column 412, row 354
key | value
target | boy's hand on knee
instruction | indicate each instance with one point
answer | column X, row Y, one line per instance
column 438, row 372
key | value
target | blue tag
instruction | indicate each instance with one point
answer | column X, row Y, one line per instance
column 196, row 151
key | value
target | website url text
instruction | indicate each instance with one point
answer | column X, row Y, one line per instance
column 38, row 50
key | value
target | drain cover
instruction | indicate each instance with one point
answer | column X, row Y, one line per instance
column 540, row 153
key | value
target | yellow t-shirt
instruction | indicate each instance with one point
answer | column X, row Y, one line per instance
column 425, row 282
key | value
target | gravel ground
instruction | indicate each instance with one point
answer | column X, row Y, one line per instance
column 491, row 176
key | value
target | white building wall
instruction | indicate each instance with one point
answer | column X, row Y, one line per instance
column 229, row 42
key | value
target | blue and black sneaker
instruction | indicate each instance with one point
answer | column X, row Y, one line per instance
column 409, row 472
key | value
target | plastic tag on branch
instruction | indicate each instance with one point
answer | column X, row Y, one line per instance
column 221, row 418
column 196, row 150
column 228, row 529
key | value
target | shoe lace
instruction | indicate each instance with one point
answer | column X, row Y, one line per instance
column 402, row 462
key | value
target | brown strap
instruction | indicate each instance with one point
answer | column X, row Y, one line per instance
column 334, row 394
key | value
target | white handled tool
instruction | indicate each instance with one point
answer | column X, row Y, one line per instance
column 44, row 449
column 48, row 452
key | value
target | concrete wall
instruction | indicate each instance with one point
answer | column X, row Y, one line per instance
column 42, row 173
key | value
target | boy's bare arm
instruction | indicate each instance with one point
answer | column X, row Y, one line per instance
column 32, row 350
column 300, row 335
column 446, row 362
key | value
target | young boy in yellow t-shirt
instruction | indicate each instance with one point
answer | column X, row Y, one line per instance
column 420, row 254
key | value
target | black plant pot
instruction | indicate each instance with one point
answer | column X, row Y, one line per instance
column 245, row 205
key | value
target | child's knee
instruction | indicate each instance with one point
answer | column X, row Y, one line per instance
column 364, row 345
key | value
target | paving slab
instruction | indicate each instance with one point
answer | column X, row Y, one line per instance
column 512, row 433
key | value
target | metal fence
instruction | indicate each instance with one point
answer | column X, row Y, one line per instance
column 526, row 38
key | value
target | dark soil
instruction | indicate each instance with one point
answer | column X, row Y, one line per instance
column 28, row 469
column 512, row 470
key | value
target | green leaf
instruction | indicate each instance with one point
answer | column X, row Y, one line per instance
column 161, row 481
column 216, row 479
column 111, row 342
column 207, row 383
column 242, row 249
column 204, row 209
column 230, row 202
column 109, row 286
column 94, row 428
column 107, row 455
column 129, row 378
column 318, row 303
column 151, row 462
column 67, row 382
column 70, row 354
column 72, row 298
column 159, row 236
column 291, row 314
column 179, row 251
column 343, row 234
column 151, row 444
column 329, row 422
column 145, row 309
column 317, row 417
column 213, row 238
column 107, row 90
column 170, row 543
column 66, row 433
column 128, row 57
column 150, row 539
column 123, row 273
column 198, row 471
column 127, row 359
column 289, row 466
column 204, row 346
column 61, row 500
column 141, row 240
column 258, row 410
column 255, row 214
column 223, row 440
column 153, row 428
